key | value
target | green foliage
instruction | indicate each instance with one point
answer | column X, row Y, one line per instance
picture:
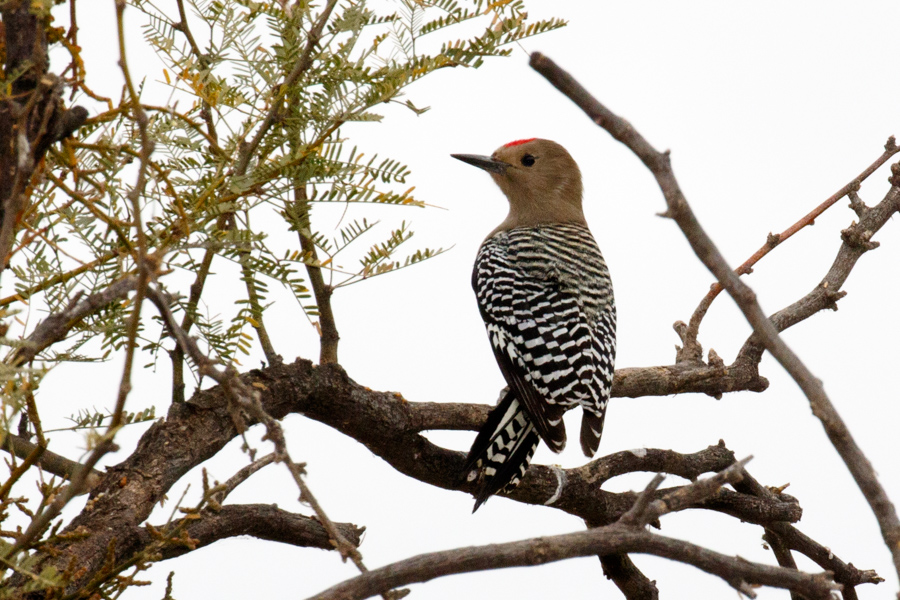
column 94, row 419
column 251, row 124
column 233, row 144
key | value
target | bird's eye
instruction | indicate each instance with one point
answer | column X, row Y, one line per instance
column 528, row 160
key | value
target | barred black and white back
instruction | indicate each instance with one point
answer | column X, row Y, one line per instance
column 547, row 302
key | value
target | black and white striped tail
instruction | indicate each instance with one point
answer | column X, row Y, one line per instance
column 503, row 449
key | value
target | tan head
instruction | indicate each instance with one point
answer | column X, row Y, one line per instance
column 540, row 180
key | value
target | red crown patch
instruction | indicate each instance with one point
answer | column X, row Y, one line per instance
column 518, row 142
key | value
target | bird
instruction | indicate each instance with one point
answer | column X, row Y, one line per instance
column 545, row 295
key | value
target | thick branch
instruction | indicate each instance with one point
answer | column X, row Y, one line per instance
column 385, row 423
column 679, row 210
column 686, row 377
column 32, row 117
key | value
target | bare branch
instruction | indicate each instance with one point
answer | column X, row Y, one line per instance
column 611, row 539
column 633, row 584
column 784, row 537
column 679, row 210
column 262, row 521
column 691, row 346
column 57, row 326
column 856, row 242
column 222, row 491
column 636, row 515
column 50, row 461
column 646, row 511
column 388, row 426
column 145, row 270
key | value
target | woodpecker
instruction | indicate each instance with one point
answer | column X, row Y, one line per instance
column 545, row 295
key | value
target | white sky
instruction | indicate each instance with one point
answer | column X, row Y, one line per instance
column 767, row 112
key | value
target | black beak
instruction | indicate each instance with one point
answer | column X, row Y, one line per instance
column 483, row 162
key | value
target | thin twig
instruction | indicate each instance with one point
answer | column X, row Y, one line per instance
column 49, row 461
column 635, row 515
column 187, row 322
column 256, row 310
column 328, row 332
column 679, row 210
column 58, row 279
column 691, row 347
column 203, row 61
column 304, row 62
column 856, row 241
column 134, row 196
column 58, row 325
column 30, row 455
column 647, row 510
column 221, row 491
column 79, row 483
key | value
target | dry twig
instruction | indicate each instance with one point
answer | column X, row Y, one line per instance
column 628, row 535
column 678, row 209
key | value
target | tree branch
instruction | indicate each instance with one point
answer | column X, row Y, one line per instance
column 328, row 332
column 50, row 461
column 628, row 535
column 57, row 326
column 679, row 210
column 262, row 521
column 691, row 346
column 633, row 584
column 856, row 242
column 607, row 540
column 304, row 62
column 32, row 116
column 784, row 537
column 385, row 423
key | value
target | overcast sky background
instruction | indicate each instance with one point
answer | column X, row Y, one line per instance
column 767, row 112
